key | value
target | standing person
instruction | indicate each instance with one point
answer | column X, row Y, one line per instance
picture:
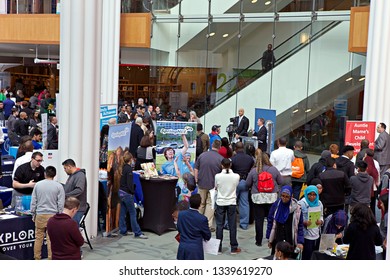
column 136, row 135
column 262, row 201
column 202, row 140
column 36, row 138
column 145, row 152
column 52, row 134
column 334, row 150
column 126, row 194
column 8, row 105
column 193, row 228
column 76, row 186
column 194, row 117
column 241, row 123
column 317, row 168
column 242, row 163
column 226, row 151
column 285, row 221
column 103, row 150
column 27, row 175
column 48, row 198
column 261, row 135
column 361, row 186
column 382, row 148
column 298, row 176
column 64, row 232
column 282, row 159
column 226, row 184
column 312, row 233
column 207, row 166
column 373, row 170
column 268, row 59
column 364, row 146
column 214, row 135
column 362, row 234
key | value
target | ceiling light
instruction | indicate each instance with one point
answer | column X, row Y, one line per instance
column 349, row 79
column 267, row 3
column 254, row 1
column 307, row 110
column 362, row 79
column 295, row 111
column 212, row 34
column 31, row 50
column 225, row 35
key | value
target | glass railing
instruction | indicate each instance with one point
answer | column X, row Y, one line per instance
column 282, row 52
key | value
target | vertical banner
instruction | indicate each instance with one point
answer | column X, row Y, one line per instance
column 44, row 130
column 107, row 111
column 270, row 121
column 179, row 137
column 356, row 131
column 118, row 143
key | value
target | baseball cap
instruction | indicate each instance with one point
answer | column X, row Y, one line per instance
column 215, row 127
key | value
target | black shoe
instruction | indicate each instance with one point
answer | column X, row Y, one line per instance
column 258, row 244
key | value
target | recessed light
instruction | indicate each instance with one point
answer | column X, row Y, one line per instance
column 225, row 35
column 308, row 110
column 362, row 79
column 254, row 1
column 212, row 34
column 349, row 79
column 267, row 3
column 31, row 50
column 295, row 111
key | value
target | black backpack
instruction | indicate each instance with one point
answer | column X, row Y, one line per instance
column 199, row 146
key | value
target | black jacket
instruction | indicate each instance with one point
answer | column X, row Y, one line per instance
column 334, row 186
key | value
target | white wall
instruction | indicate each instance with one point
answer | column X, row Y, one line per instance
column 329, row 61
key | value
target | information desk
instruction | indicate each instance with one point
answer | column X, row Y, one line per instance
column 159, row 204
column 17, row 235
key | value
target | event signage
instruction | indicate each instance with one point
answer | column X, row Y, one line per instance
column 107, row 111
column 356, row 131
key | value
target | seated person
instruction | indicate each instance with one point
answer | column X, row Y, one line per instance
column 335, row 224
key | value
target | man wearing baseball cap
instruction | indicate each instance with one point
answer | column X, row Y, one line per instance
column 215, row 131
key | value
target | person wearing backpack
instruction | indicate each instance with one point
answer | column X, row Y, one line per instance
column 202, row 140
column 282, row 158
column 300, row 167
column 262, row 200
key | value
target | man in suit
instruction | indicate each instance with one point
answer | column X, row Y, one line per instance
column 241, row 123
column 136, row 135
column 382, row 148
column 261, row 135
column 193, row 228
column 52, row 134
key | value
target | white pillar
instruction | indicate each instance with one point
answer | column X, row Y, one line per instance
column 377, row 86
column 80, row 66
column 110, row 51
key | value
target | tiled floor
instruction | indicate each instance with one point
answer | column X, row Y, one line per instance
column 164, row 247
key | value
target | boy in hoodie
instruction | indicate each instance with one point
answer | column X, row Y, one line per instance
column 298, row 182
column 76, row 186
column 361, row 185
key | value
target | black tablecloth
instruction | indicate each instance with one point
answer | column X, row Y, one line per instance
column 17, row 237
column 316, row 255
column 159, row 204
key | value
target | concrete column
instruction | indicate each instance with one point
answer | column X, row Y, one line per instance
column 110, row 51
column 377, row 86
column 79, row 98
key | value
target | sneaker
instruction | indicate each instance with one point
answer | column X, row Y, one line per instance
column 243, row 228
column 212, row 229
column 142, row 236
column 235, row 251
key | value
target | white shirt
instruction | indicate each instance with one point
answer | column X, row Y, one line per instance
column 226, row 185
column 281, row 159
column 21, row 160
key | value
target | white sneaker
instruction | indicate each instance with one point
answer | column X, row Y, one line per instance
column 142, row 236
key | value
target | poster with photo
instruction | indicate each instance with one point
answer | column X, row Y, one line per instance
column 118, row 143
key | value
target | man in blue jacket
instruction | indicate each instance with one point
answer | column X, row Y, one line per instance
column 193, row 228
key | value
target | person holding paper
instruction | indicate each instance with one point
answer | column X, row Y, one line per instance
column 193, row 228
column 313, row 218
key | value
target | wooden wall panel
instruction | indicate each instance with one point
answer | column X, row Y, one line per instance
column 358, row 30
column 135, row 30
column 30, row 28
column 45, row 29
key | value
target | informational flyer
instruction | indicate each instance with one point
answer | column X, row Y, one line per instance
column 314, row 216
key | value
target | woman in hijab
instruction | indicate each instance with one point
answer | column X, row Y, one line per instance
column 335, row 224
column 285, row 221
column 313, row 218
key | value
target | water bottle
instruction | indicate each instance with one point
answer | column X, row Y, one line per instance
column 18, row 204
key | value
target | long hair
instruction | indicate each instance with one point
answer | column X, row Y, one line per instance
column 261, row 160
column 362, row 215
column 371, row 169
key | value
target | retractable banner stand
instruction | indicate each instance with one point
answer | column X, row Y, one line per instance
column 270, row 120
column 356, row 131
column 107, row 111
column 118, row 143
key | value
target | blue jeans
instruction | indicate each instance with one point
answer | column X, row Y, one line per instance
column 77, row 217
column 231, row 218
column 243, row 203
column 127, row 206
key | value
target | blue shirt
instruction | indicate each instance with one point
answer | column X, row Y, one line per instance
column 37, row 145
column 168, row 167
